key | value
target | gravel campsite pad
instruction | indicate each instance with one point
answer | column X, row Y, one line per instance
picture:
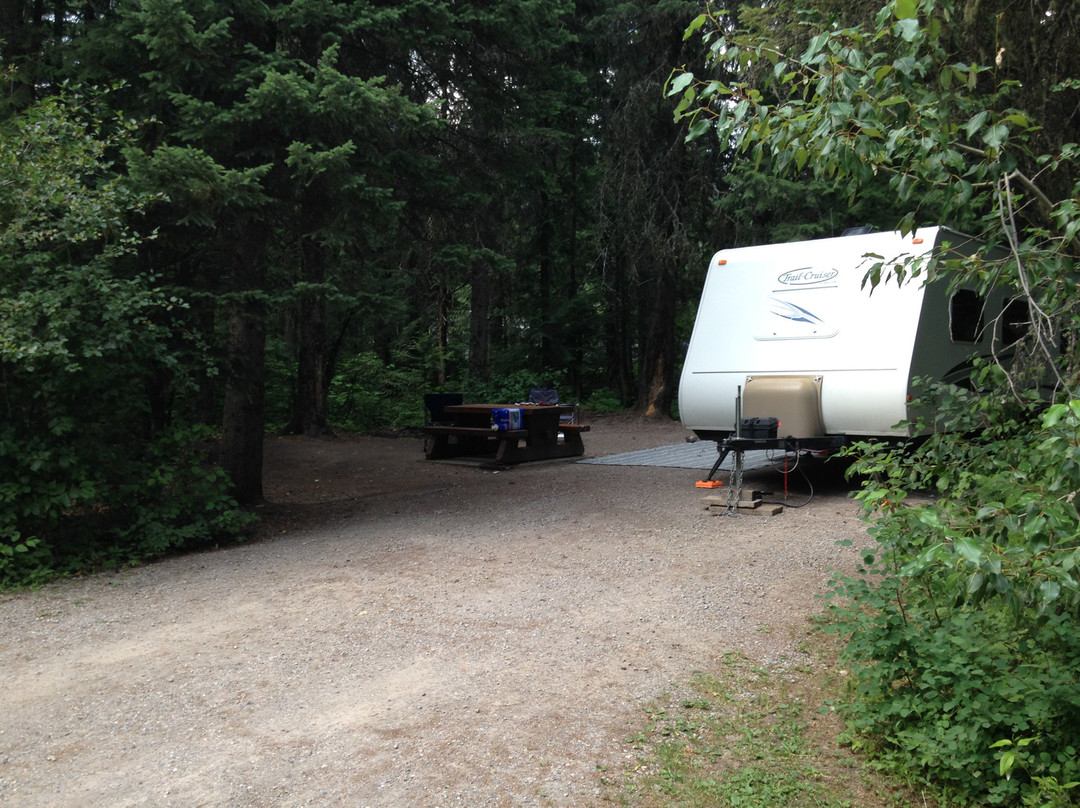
column 406, row 633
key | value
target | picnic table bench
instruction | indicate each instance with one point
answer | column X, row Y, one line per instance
column 541, row 437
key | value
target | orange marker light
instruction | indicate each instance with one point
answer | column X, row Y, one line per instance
column 916, row 241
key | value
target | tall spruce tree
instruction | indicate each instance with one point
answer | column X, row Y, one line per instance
column 294, row 152
column 656, row 199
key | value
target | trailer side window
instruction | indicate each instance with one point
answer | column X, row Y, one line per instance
column 965, row 316
column 1015, row 320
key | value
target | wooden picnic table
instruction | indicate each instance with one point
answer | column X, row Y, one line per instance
column 542, row 436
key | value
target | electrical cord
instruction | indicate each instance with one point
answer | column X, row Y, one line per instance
column 809, row 498
column 788, row 453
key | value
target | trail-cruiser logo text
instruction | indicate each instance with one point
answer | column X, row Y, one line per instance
column 805, row 276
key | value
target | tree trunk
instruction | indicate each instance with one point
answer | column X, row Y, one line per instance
column 244, row 416
column 544, row 248
column 617, row 341
column 480, row 320
column 160, row 395
column 205, row 398
column 311, row 407
column 243, row 422
column 656, row 376
column 333, row 351
column 442, row 336
column 577, row 353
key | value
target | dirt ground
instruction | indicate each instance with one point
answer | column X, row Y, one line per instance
column 406, row 633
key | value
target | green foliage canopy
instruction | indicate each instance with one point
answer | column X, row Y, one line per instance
column 897, row 100
column 81, row 338
column 963, row 628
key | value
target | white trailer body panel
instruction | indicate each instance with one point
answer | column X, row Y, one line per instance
column 801, row 309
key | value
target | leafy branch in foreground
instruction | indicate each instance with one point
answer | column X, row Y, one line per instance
column 897, row 100
column 962, row 627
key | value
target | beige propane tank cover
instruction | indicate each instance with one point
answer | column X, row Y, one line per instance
column 794, row 400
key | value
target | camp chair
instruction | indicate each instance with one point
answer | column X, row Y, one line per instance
column 548, row 395
column 543, row 395
column 435, row 408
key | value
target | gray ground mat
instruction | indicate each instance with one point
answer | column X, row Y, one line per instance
column 698, row 455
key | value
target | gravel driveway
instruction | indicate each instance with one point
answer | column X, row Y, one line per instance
column 404, row 633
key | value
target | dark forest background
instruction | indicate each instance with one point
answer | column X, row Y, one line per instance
column 224, row 219
column 219, row 220
column 350, row 204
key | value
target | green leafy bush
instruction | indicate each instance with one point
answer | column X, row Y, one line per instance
column 963, row 628
column 87, row 476
column 513, row 386
column 367, row 394
column 176, row 499
column 963, row 625
column 123, row 511
column 604, row 400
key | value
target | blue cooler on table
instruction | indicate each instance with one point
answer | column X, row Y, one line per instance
column 506, row 418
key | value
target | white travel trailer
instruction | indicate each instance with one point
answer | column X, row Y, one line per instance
column 790, row 331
